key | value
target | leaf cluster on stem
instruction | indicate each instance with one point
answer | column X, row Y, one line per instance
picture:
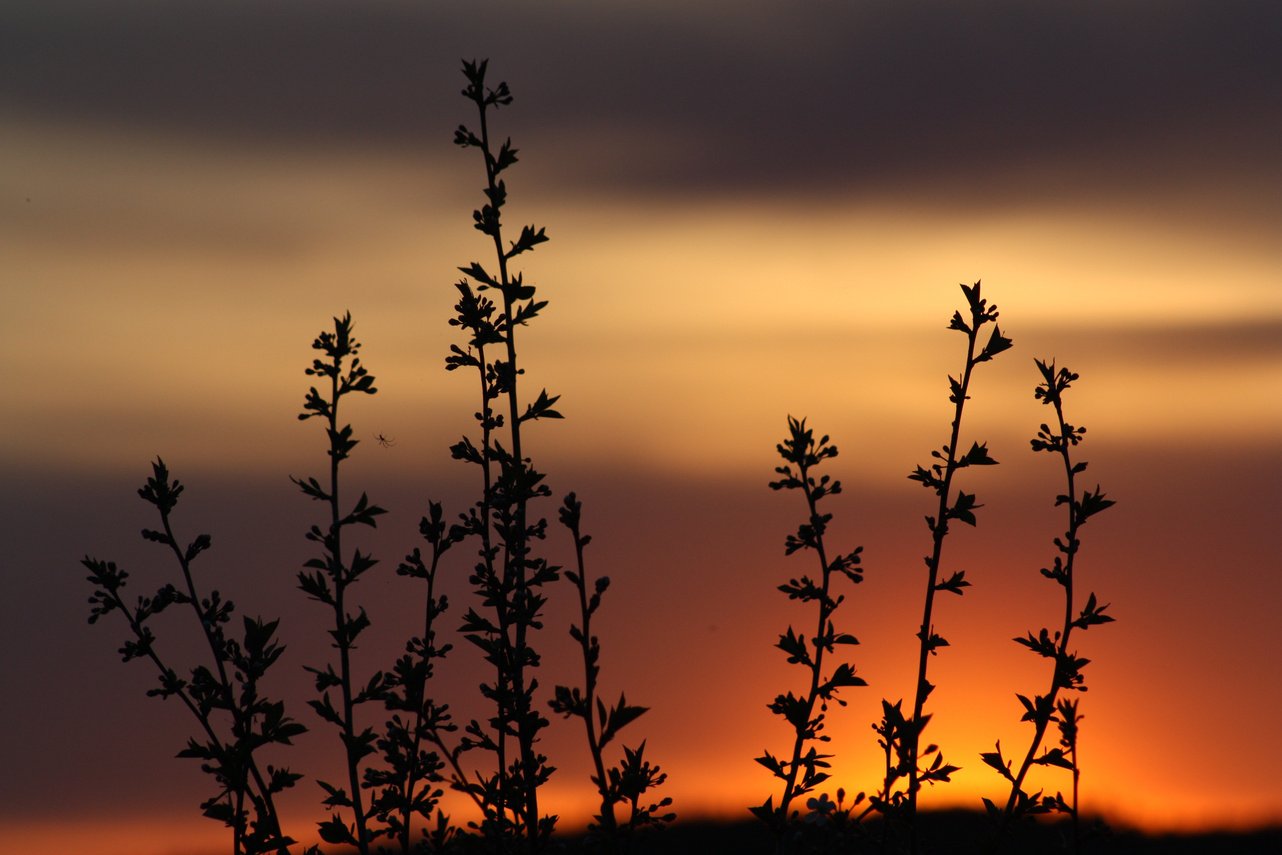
column 329, row 576
column 900, row 734
column 804, row 768
column 235, row 719
column 1066, row 666
column 626, row 783
column 508, row 576
column 413, row 744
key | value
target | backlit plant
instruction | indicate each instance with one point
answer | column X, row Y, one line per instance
column 900, row 734
column 623, row 785
column 1066, row 665
column 394, row 777
column 332, row 573
column 508, row 576
column 235, row 719
column 407, row 786
column 803, row 768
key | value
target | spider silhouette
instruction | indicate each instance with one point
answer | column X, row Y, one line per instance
column 385, row 441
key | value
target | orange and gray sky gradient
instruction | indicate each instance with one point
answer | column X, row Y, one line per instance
column 756, row 209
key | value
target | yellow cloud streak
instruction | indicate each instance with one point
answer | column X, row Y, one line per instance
column 160, row 285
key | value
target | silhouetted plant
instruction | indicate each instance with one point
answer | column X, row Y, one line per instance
column 830, row 826
column 235, row 719
column 1066, row 672
column 627, row 783
column 408, row 785
column 901, row 735
column 418, row 747
column 805, row 767
column 508, row 577
column 332, row 574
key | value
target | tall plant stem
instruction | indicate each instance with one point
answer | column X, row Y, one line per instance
column 608, row 820
column 241, row 726
column 513, row 594
column 1041, row 722
column 334, row 576
column 408, row 786
column 1066, row 675
column 826, row 608
column 940, row 532
column 516, row 547
column 343, row 640
column 939, row 477
column 181, row 692
column 805, row 768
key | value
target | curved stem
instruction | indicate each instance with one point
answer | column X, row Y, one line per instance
column 240, row 724
column 1041, row 722
column 608, row 819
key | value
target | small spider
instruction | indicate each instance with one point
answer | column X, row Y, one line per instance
column 385, row 441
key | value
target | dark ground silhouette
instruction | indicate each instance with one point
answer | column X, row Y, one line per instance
column 965, row 833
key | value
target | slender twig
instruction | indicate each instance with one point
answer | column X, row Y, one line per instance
column 627, row 782
column 255, row 720
column 585, row 703
column 333, row 569
column 939, row 477
column 510, row 587
column 1066, row 674
column 803, row 770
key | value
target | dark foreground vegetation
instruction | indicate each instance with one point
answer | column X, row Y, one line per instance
column 955, row 832
column 963, row 832
column 400, row 746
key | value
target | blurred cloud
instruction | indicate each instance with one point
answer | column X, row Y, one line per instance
column 665, row 97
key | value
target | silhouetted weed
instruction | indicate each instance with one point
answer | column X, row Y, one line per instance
column 626, row 783
column 804, row 768
column 406, row 787
column 496, row 762
column 331, row 574
column 900, row 735
column 1066, row 672
column 235, row 719
column 508, row 576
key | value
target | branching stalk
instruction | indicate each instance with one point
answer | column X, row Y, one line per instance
column 333, row 574
column 803, row 770
column 508, row 577
column 939, row 477
column 626, row 783
column 255, row 720
column 1066, row 675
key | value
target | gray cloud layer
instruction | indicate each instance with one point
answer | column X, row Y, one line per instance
column 772, row 94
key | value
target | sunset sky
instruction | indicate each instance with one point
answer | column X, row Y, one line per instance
column 757, row 209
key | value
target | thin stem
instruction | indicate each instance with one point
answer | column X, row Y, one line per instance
column 1067, row 673
column 407, row 788
column 500, row 603
column 940, row 532
column 590, row 669
column 1043, row 720
column 939, row 477
column 216, row 649
column 515, row 548
column 825, row 612
column 202, row 717
column 342, row 635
